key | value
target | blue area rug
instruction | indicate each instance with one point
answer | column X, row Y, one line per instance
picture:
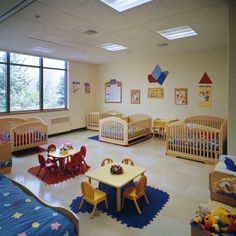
column 95, row 137
column 129, row 214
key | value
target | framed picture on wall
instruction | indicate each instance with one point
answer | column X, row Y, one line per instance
column 181, row 96
column 156, row 93
column 113, row 91
column 135, row 96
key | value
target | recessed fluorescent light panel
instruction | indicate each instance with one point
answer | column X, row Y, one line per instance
column 178, row 32
column 122, row 5
column 112, row 47
column 42, row 49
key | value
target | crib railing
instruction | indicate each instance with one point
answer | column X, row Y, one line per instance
column 29, row 135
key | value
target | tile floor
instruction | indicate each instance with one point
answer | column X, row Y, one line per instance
column 185, row 181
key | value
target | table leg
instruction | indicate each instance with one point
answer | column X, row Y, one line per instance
column 118, row 198
column 90, row 180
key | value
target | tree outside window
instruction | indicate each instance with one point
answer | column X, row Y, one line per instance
column 26, row 83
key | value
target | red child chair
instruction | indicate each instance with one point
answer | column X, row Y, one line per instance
column 47, row 165
column 83, row 152
column 75, row 164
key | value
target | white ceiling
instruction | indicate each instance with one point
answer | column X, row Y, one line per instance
column 62, row 24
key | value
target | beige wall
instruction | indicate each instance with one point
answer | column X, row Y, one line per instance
column 232, row 79
column 185, row 71
column 79, row 104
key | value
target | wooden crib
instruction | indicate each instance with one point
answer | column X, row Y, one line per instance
column 125, row 132
column 200, row 138
column 94, row 117
column 23, row 133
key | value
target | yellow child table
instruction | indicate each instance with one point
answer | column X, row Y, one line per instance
column 103, row 175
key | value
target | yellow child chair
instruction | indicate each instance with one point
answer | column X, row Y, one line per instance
column 128, row 161
column 92, row 196
column 106, row 161
column 136, row 192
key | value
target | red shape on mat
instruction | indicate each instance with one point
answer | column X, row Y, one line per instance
column 55, row 179
column 205, row 79
column 151, row 79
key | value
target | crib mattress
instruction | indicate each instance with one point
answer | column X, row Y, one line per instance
column 21, row 214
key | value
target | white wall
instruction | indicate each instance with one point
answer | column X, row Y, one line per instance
column 79, row 104
column 185, row 71
column 232, row 79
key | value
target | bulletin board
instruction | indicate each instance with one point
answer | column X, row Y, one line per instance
column 113, row 91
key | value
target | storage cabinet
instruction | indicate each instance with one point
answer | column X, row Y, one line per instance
column 5, row 157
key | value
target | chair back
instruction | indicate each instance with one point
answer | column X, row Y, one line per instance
column 141, row 185
column 106, row 161
column 83, row 151
column 128, row 161
column 77, row 158
column 42, row 161
column 87, row 190
column 51, row 147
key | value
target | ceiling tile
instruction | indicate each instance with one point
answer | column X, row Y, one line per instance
column 215, row 31
column 89, row 26
column 141, row 34
column 92, row 11
column 63, row 5
column 148, row 12
column 50, row 17
column 187, row 5
column 162, row 24
column 116, row 22
column 202, row 14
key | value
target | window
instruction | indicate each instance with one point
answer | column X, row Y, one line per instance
column 3, row 88
column 24, row 88
column 30, row 83
column 54, row 80
column 24, row 59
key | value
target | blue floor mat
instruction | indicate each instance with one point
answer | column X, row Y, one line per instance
column 95, row 137
column 128, row 215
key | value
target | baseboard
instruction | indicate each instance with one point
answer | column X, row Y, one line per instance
column 67, row 132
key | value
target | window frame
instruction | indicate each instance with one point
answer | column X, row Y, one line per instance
column 40, row 67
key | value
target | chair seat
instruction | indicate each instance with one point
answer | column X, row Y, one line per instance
column 92, row 196
column 130, row 192
column 51, row 164
column 98, row 194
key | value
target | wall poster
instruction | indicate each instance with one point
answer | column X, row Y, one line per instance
column 205, row 95
column 87, row 88
column 205, row 91
column 75, row 87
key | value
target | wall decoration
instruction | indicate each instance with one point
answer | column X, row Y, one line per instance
column 87, row 87
column 181, row 96
column 205, row 91
column 205, row 95
column 156, row 93
column 75, row 87
column 205, row 79
column 113, row 91
column 135, row 96
column 157, row 75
